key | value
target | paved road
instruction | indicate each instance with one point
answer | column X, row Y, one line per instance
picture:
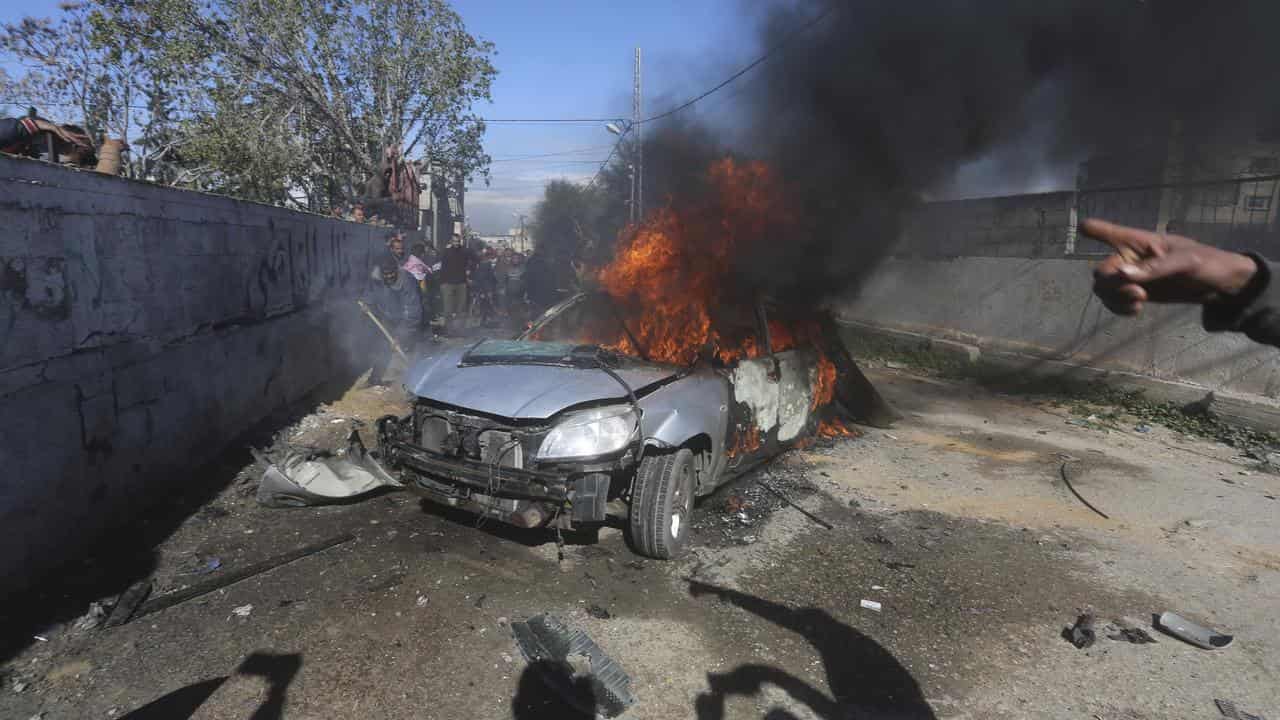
column 957, row 522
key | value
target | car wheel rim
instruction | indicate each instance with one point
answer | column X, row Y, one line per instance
column 678, row 510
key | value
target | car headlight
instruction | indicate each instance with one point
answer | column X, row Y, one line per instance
column 590, row 433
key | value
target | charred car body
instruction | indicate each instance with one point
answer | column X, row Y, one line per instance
column 546, row 430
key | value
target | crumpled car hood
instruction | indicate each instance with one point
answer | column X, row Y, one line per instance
column 520, row 392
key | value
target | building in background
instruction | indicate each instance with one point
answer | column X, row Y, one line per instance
column 441, row 206
column 1223, row 189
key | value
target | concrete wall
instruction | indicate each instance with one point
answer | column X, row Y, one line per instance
column 1045, row 308
column 143, row 328
column 1012, row 226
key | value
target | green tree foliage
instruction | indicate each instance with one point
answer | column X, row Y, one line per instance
column 587, row 221
column 283, row 101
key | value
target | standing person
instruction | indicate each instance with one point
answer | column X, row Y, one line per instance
column 455, row 263
column 416, row 265
column 395, row 245
column 394, row 297
column 502, row 268
column 484, row 285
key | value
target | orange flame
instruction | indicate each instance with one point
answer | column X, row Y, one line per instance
column 835, row 428
column 674, row 274
column 747, row 441
column 674, row 271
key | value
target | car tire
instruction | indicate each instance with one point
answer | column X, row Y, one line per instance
column 662, row 504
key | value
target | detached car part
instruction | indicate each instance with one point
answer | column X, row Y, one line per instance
column 305, row 476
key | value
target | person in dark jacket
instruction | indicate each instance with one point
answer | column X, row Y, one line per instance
column 1235, row 289
column 394, row 297
column 456, row 265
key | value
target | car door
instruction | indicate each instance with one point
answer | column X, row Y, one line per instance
column 754, row 412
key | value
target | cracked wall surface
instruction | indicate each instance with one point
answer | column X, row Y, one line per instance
column 143, row 329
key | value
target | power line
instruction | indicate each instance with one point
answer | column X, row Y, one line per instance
column 551, row 154
column 571, row 120
column 794, row 34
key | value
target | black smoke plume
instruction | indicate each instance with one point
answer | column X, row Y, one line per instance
column 865, row 110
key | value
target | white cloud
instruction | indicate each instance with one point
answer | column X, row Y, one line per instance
column 489, row 209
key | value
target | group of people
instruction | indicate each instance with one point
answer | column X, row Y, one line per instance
column 358, row 213
column 413, row 288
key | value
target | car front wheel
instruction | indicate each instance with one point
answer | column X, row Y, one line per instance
column 662, row 504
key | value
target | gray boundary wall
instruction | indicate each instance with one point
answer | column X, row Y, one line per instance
column 143, row 328
column 1044, row 311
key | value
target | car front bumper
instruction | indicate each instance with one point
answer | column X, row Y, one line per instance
column 518, row 496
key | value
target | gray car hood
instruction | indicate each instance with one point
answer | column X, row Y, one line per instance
column 520, row 392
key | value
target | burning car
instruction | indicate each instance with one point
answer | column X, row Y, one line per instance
column 623, row 404
column 558, row 429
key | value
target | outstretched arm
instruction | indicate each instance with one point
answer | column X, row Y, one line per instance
column 1235, row 289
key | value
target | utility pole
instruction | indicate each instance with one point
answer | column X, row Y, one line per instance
column 637, row 185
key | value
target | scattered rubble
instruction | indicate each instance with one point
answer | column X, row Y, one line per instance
column 301, row 476
column 736, row 510
column 573, row 665
column 242, row 610
column 1229, row 710
column 93, row 617
column 139, row 609
column 1198, row 635
column 1134, row 635
column 871, row 605
column 1082, row 634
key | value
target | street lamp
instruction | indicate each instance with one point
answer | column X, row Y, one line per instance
column 621, row 128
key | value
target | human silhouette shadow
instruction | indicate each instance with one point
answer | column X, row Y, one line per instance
column 277, row 670
column 866, row 681
column 548, row 691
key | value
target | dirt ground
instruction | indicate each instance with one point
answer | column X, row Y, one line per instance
column 957, row 522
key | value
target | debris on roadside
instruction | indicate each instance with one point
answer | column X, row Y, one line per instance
column 568, row 660
column 1198, row 635
column 138, row 609
column 1082, row 634
column 208, row 566
column 92, row 618
column 421, row 601
column 878, row 539
column 1062, row 470
column 598, row 612
column 788, row 501
column 299, row 476
column 897, row 565
column 1230, row 711
column 871, row 605
column 1134, row 635
column 242, row 610
column 129, row 603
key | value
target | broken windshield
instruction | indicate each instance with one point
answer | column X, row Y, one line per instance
column 589, row 319
column 489, row 351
